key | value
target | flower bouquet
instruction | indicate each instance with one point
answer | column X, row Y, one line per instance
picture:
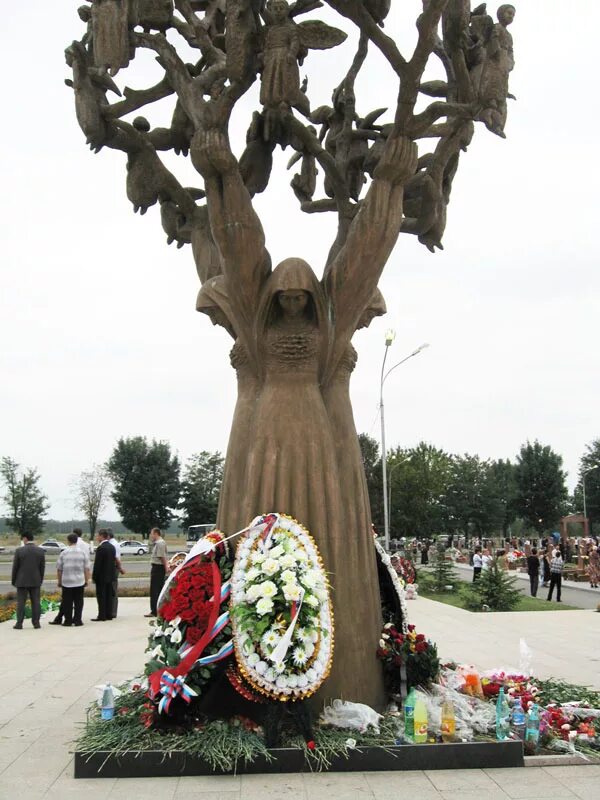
column 410, row 652
column 282, row 616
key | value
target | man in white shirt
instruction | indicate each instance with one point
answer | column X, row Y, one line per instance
column 86, row 550
column 486, row 559
column 73, row 572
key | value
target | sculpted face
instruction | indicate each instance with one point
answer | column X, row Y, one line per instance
column 279, row 10
column 506, row 14
column 293, row 302
column 217, row 317
column 365, row 320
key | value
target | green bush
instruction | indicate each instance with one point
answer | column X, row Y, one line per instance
column 495, row 589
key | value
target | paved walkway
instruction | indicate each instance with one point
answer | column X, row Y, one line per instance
column 574, row 593
column 48, row 675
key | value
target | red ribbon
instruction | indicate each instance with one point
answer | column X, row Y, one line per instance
column 196, row 651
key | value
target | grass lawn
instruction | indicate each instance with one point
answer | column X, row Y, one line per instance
column 525, row 603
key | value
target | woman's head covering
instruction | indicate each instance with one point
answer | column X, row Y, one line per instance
column 293, row 274
column 213, row 296
column 375, row 308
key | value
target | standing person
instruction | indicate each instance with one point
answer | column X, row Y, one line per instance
column 594, row 567
column 158, row 569
column 533, row 569
column 118, row 569
column 546, row 569
column 85, row 548
column 477, row 564
column 556, row 568
column 486, row 559
column 73, row 574
column 425, row 552
column 29, row 564
column 103, row 575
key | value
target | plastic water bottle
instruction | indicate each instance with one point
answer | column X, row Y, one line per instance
column 448, row 721
column 532, row 730
column 420, row 721
column 502, row 716
column 518, row 719
column 107, row 706
column 409, row 716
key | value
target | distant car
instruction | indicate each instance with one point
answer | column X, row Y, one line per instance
column 52, row 547
column 136, row 548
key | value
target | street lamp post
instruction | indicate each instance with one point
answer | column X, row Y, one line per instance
column 583, row 474
column 389, row 338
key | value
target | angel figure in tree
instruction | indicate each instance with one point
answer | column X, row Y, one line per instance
column 293, row 446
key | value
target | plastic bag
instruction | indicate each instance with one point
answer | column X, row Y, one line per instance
column 471, row 714
column 525, row 658
column 356, row 716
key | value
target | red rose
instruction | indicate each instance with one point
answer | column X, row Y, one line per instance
column 420, row 647
column 382, row 652
column 420, row 637
column 411, row 627
column 193, row 634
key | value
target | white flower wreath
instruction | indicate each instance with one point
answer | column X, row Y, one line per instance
column 396, row 582
column 281, row 611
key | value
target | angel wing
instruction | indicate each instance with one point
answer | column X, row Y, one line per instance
column 316, row 35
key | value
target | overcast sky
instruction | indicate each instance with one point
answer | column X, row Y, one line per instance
column 99, row 334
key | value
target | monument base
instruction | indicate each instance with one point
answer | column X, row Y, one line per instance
column 158, row 764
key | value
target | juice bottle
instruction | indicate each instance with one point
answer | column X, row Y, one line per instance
column 420, row 721
column 409, row 716
column 448, row 721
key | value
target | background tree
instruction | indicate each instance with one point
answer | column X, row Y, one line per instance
column 443, row 573
column 369, row 449
column 146, row 483
column 590, row 463
column 472, row 496
column 419, row 477
column 502, row 473
column 26, row 502
column 200, row 488
column 495, row 589
column 541, row 493
column 92, row 489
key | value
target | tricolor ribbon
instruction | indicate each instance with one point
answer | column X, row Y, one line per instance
column 170, row 687
column 280, row 652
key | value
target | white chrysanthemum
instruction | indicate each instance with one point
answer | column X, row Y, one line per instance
column 264, row 605
column 292, row 681
column 282, row 682
column 310, row 649
column 267, row 589
column 299, row 656
column 311, row 674
column 310, row 578
column 270, row 566
column 239, row 596
column 279, row 667
column 311, row 600
column 276, row 552
column 258, row 557
column 292, row 592
column 252, row 574
column 300, row 634
column 270, row 674
column 287, row 575
column 321, row 594
column 301, row 555
column 253, row 659
column 314, row 636
column 253, row 593
column 261, row 667
column 270, row 639
column 302, row 681
column 287, row 561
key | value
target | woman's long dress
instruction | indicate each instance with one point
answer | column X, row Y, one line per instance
column 362, row 601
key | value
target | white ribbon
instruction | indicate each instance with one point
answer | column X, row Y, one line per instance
column 202, row 547
column 280, row 652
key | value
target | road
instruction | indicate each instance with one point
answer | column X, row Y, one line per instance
column 139, row 566
column 573, row 594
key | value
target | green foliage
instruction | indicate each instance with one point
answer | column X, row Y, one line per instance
column 502, row 473
column 541, row 493
column 495, row 589
column 372, row 465
column 26, row 502
column 590, row 463
column 146, row 483
column 443, row 573
column 200, row 488
column 473, row 499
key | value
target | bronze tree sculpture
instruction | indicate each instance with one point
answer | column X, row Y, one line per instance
column 293, row 445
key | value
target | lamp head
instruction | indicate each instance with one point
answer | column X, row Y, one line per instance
column 390, row 335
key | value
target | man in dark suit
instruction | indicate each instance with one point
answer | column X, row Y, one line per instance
column 28, row 568
column 103, row 574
